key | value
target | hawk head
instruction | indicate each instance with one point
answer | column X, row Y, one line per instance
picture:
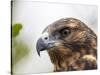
column 67, row 35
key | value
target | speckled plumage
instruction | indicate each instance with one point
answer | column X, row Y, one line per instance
column 77, row 50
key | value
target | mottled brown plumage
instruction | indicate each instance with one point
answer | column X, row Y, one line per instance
column 75, row 47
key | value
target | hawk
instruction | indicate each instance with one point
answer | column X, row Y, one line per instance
column 71, row 45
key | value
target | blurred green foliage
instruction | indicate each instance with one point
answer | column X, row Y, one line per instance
column 19, row 51
column 16, row 29
column 19, row 48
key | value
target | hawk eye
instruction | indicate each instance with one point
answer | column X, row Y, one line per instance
column 65, row 32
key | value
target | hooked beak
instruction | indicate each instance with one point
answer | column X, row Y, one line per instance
column 44, row 43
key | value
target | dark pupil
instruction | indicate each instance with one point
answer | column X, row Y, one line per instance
column 65, row 32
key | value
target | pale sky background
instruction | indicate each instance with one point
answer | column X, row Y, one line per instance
column 35, row 16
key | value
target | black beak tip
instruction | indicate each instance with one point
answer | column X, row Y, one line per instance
column 38, row 50
column 39, row 53
column 40, row 46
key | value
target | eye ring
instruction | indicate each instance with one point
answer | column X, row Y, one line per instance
column 65, row 32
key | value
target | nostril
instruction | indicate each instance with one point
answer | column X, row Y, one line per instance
column 46, row 38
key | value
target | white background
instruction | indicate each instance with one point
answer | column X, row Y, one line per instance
column 5, row 36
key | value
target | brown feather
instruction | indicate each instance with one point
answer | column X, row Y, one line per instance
column 77, row 51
